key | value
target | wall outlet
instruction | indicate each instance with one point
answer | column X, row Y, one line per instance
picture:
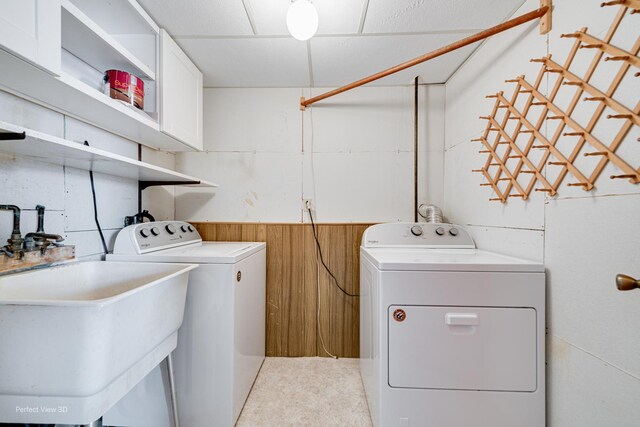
column 307, row 204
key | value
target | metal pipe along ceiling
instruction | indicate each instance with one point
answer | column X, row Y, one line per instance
column 538, row 13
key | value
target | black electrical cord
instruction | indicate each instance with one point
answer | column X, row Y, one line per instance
column 95, row 209
column 315, row 236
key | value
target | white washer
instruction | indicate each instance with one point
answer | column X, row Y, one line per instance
column 221, row 344
column 449, row 335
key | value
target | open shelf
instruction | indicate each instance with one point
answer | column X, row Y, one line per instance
column 85, row 39
column 98, row 96
column 118, row 17
column 70, row 96
column 41, row 147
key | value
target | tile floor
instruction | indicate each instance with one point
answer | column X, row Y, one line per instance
column 306, row 391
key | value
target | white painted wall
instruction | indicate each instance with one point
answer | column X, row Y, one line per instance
column 584, row 239
column 66, row 192
column 352, row 155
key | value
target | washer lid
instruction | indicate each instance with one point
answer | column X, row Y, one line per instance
column 200, row 253
column 422, row 259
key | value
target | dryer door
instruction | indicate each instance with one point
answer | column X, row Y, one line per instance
column 462, row 348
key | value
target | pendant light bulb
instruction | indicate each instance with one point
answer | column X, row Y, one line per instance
column 302, row 19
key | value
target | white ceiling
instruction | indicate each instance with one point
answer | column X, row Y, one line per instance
column 245, row 43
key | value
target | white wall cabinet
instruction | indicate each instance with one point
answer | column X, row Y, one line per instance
column 180, row 94
column 55, row 52
column 31, row 30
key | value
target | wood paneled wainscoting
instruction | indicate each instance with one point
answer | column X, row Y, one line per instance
column 292, row 299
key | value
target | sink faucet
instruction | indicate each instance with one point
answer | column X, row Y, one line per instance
column 41, row 241
column 44, row 236
column 40, row 236
column 38, row 240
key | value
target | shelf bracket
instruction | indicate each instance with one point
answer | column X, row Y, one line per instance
column 143, row 185
column 10, row 136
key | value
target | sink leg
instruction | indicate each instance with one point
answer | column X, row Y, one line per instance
column 96, row 423
column 172, row 389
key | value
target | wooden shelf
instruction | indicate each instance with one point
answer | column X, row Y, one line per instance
column 89, row 42
column 74, row 98
column 41, row 147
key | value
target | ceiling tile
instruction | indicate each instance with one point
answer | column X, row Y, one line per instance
column 199, row 17
column 334, row 16
column 384, row 16
column 338, row 61
column 249, row 62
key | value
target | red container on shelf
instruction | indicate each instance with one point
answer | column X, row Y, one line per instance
column 124, row 87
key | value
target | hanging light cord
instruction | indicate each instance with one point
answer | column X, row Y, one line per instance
column 321, row 258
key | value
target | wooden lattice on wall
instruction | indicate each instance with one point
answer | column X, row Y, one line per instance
column 511, row 133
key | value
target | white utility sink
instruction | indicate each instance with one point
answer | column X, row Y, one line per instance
column 76, row 338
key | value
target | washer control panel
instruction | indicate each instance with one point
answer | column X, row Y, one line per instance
column 153, row 236
column 428, row 235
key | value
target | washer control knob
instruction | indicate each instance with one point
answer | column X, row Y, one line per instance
column 144, row 232
column 171, row 229
column 440, row 231
column 453, row 231
column 416, row 230
column 183, row 228
column 190, row 228
column 155, row 231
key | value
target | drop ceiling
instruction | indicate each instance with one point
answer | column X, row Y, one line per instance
column 245, row 43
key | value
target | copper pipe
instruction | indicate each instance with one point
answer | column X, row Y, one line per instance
column 538, row 13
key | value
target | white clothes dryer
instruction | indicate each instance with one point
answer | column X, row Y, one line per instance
column 450, row 335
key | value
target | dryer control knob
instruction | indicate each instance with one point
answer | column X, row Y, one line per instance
column 453, row 231
column 171, row 229
column 184, row 228
column 440, row 231
column 144, row 233
column 155, row 231
column 416, row 230
column 190, row 228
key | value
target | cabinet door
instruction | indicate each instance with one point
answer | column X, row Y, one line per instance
column 31, row 30
column 180, row 94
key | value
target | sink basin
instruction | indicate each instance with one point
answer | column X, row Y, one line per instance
column 76, row 338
